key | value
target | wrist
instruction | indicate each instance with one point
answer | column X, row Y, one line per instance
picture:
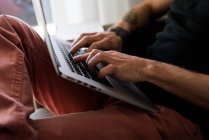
column 122, row 33
column 151, row 70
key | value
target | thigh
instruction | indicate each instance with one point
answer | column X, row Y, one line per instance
column 57, row 94
column 121, row 122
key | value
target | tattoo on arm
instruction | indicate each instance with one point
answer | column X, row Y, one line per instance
column 131, row 17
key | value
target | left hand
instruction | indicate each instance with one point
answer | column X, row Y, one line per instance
column 118, row 65
column 100, row 41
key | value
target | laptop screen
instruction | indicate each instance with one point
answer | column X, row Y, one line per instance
column 45, row 22
column 43, row 11
column 46, row 6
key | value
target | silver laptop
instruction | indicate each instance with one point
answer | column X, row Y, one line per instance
column 78, row 73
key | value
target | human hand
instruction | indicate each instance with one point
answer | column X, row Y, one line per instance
column 97, row 40
column 118, row 65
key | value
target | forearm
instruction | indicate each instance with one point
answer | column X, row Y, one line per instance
column 143, row 13
column 191, row 86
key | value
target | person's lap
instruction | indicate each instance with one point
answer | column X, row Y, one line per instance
column 120, row 121
column 59, row 95
column 23, row 49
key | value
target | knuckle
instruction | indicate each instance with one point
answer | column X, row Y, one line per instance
column 112, row 52
column 94, row 50
column 100, row 54
column 95, row 45
column 83, row 34
column 86, row 38
column 100, row 35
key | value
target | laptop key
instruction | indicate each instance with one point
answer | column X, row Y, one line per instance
column 76, row 67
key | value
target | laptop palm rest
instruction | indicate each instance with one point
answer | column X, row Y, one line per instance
column 132, row 94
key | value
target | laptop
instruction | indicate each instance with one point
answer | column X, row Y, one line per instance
column 77, row 71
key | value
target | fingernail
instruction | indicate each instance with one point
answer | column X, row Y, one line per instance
column 75, row 57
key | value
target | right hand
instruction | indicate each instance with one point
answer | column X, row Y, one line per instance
column 97, row 40
column 118, row 65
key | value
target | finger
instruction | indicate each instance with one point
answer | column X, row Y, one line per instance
column 86, row 40
column 107, row 70
column 92, row 54
column 118, row 54
column 82, row 57
column 81, row 36
column 97, row 58
column 100, row 45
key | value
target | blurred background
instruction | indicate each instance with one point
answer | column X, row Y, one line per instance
column 104, row 11
column 70, row 11
column 19, row 8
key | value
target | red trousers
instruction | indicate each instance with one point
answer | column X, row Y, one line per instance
column 26, row 71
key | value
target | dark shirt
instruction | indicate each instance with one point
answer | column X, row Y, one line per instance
column 185, row 43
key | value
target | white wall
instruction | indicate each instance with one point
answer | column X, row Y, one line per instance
column 111, row 10
column 74, row 11
column 77, row 11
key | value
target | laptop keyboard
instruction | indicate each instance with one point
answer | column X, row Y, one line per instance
column 76, row 67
